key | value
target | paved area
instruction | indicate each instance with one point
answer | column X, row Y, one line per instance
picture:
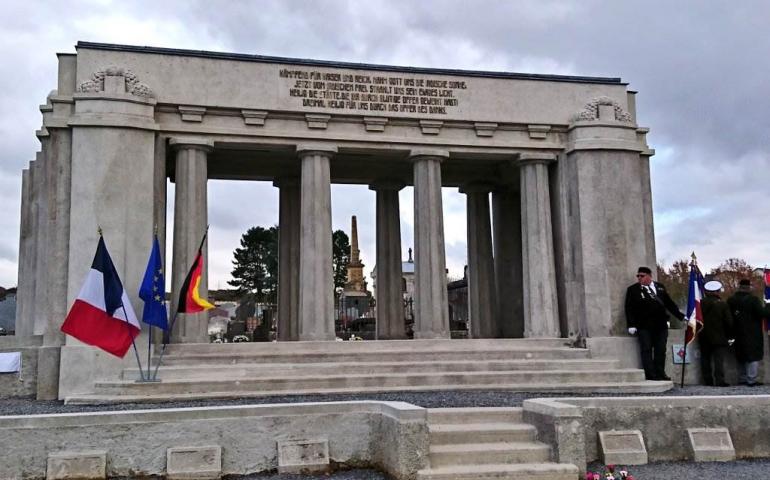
column 739, row 470
column 424, row 399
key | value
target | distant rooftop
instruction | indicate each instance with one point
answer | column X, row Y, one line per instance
column 358, row 66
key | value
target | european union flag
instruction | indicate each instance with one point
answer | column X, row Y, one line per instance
column 153, row 290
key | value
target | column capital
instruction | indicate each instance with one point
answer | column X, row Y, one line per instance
column 530, row 158
column 386, row 184
column 196, row 143
column 476, row 187
column 304, row 149
column 434, row 153
column 281, row 182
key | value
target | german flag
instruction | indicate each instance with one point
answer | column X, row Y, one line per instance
column 190, row 300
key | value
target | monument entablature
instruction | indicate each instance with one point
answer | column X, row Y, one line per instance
column 560, row 159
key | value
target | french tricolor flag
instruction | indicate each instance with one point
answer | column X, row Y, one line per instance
column 102, row 314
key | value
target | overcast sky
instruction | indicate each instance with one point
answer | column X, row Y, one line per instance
column 702, row 70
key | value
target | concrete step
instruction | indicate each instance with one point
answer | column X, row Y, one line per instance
column 475, row 415
column 251, row 357
column 251, row 370
column 157, row 395
column 488, row 453
column 364, row 346
column 462, row 434
column 521, row 471
column 222, row 383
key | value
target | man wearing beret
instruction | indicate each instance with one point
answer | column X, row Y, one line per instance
column 715, row 336
column 647, row 303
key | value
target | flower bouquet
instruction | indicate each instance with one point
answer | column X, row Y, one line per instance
column 611, row 472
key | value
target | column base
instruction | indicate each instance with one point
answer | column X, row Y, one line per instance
column 431, row 335
column 317, row 337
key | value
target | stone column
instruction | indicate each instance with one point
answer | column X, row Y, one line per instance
column 288, row 258
column 113, row 149
column 506, row 214
column 389, row 295
column 541, row 311
column 190, row 222
column 481, row 271
column 431, row 307
column 40, row 318
column 316, row 281
column 24, row 283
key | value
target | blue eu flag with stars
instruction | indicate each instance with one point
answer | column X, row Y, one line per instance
column 153, row 290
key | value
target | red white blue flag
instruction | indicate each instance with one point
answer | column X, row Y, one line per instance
column 102, row 315
column 694, row 316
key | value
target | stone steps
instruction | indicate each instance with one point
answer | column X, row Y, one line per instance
column 289, row 384
column 158, row 395
column 250, row 357
column 367, row 346
column 250, row 370
column 488, row 443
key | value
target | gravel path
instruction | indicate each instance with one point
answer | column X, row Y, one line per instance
column 15, row 406
column 739, row 470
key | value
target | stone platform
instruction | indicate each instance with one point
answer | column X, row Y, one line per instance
column 201, row 371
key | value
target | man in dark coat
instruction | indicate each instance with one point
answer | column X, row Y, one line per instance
column 713, row 339
column 646, row 316
column 748, row 312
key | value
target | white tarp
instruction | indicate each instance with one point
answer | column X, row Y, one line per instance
column 10, row 362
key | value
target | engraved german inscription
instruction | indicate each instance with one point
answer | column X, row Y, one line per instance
column 372, row 93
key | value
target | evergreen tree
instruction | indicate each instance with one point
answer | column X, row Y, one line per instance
column 340, row 258
column 255, row 264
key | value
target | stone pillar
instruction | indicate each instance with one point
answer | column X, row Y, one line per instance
column 606, row 192
column 481, row 271
column 40, row 300
column 190, row 223
column 506, row 214
column 24, row 282
column 113, row 150
column 316, row 281
column 288, row 258
column 431, row 307
column 389, row 295
column 541, row 311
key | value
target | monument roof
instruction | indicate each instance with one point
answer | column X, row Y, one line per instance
column 352, row 65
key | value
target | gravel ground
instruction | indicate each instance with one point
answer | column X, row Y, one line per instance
column 358, row 474
column 16, row 406
column 739, row 470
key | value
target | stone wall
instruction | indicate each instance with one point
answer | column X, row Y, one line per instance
column 24, row 383
column 626, row 351
column 663, row 422
column 389, row 435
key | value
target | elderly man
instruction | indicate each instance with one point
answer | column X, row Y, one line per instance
column 647, row 303
column 713, row 339
column 748, row 312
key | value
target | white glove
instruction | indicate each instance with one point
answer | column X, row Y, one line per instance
column 632, row 331
column 668, row 324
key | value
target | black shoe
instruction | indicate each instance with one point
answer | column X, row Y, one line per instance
column 755, row 384
column 743, row 383
column 708, row 384
column 665, row 378
column 723, row 384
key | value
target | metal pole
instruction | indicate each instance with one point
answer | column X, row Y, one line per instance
column 163, row 350
column 136, row 352
column 149, row 350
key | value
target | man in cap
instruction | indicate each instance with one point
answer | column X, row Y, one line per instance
column 647, row 303
column 713, row 339
column 748, row 312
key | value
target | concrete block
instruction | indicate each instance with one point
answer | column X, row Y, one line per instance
column 623, row 447
column 89, row 464
column 711, row 444
column 303, row 456
column 194, row 462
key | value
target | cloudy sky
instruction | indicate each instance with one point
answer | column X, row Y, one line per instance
column 702, row 70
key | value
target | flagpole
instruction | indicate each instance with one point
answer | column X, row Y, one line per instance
column 133, row 342
column 693, row 263
column 163, row 349
column 149, row 350
column 176, row 314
